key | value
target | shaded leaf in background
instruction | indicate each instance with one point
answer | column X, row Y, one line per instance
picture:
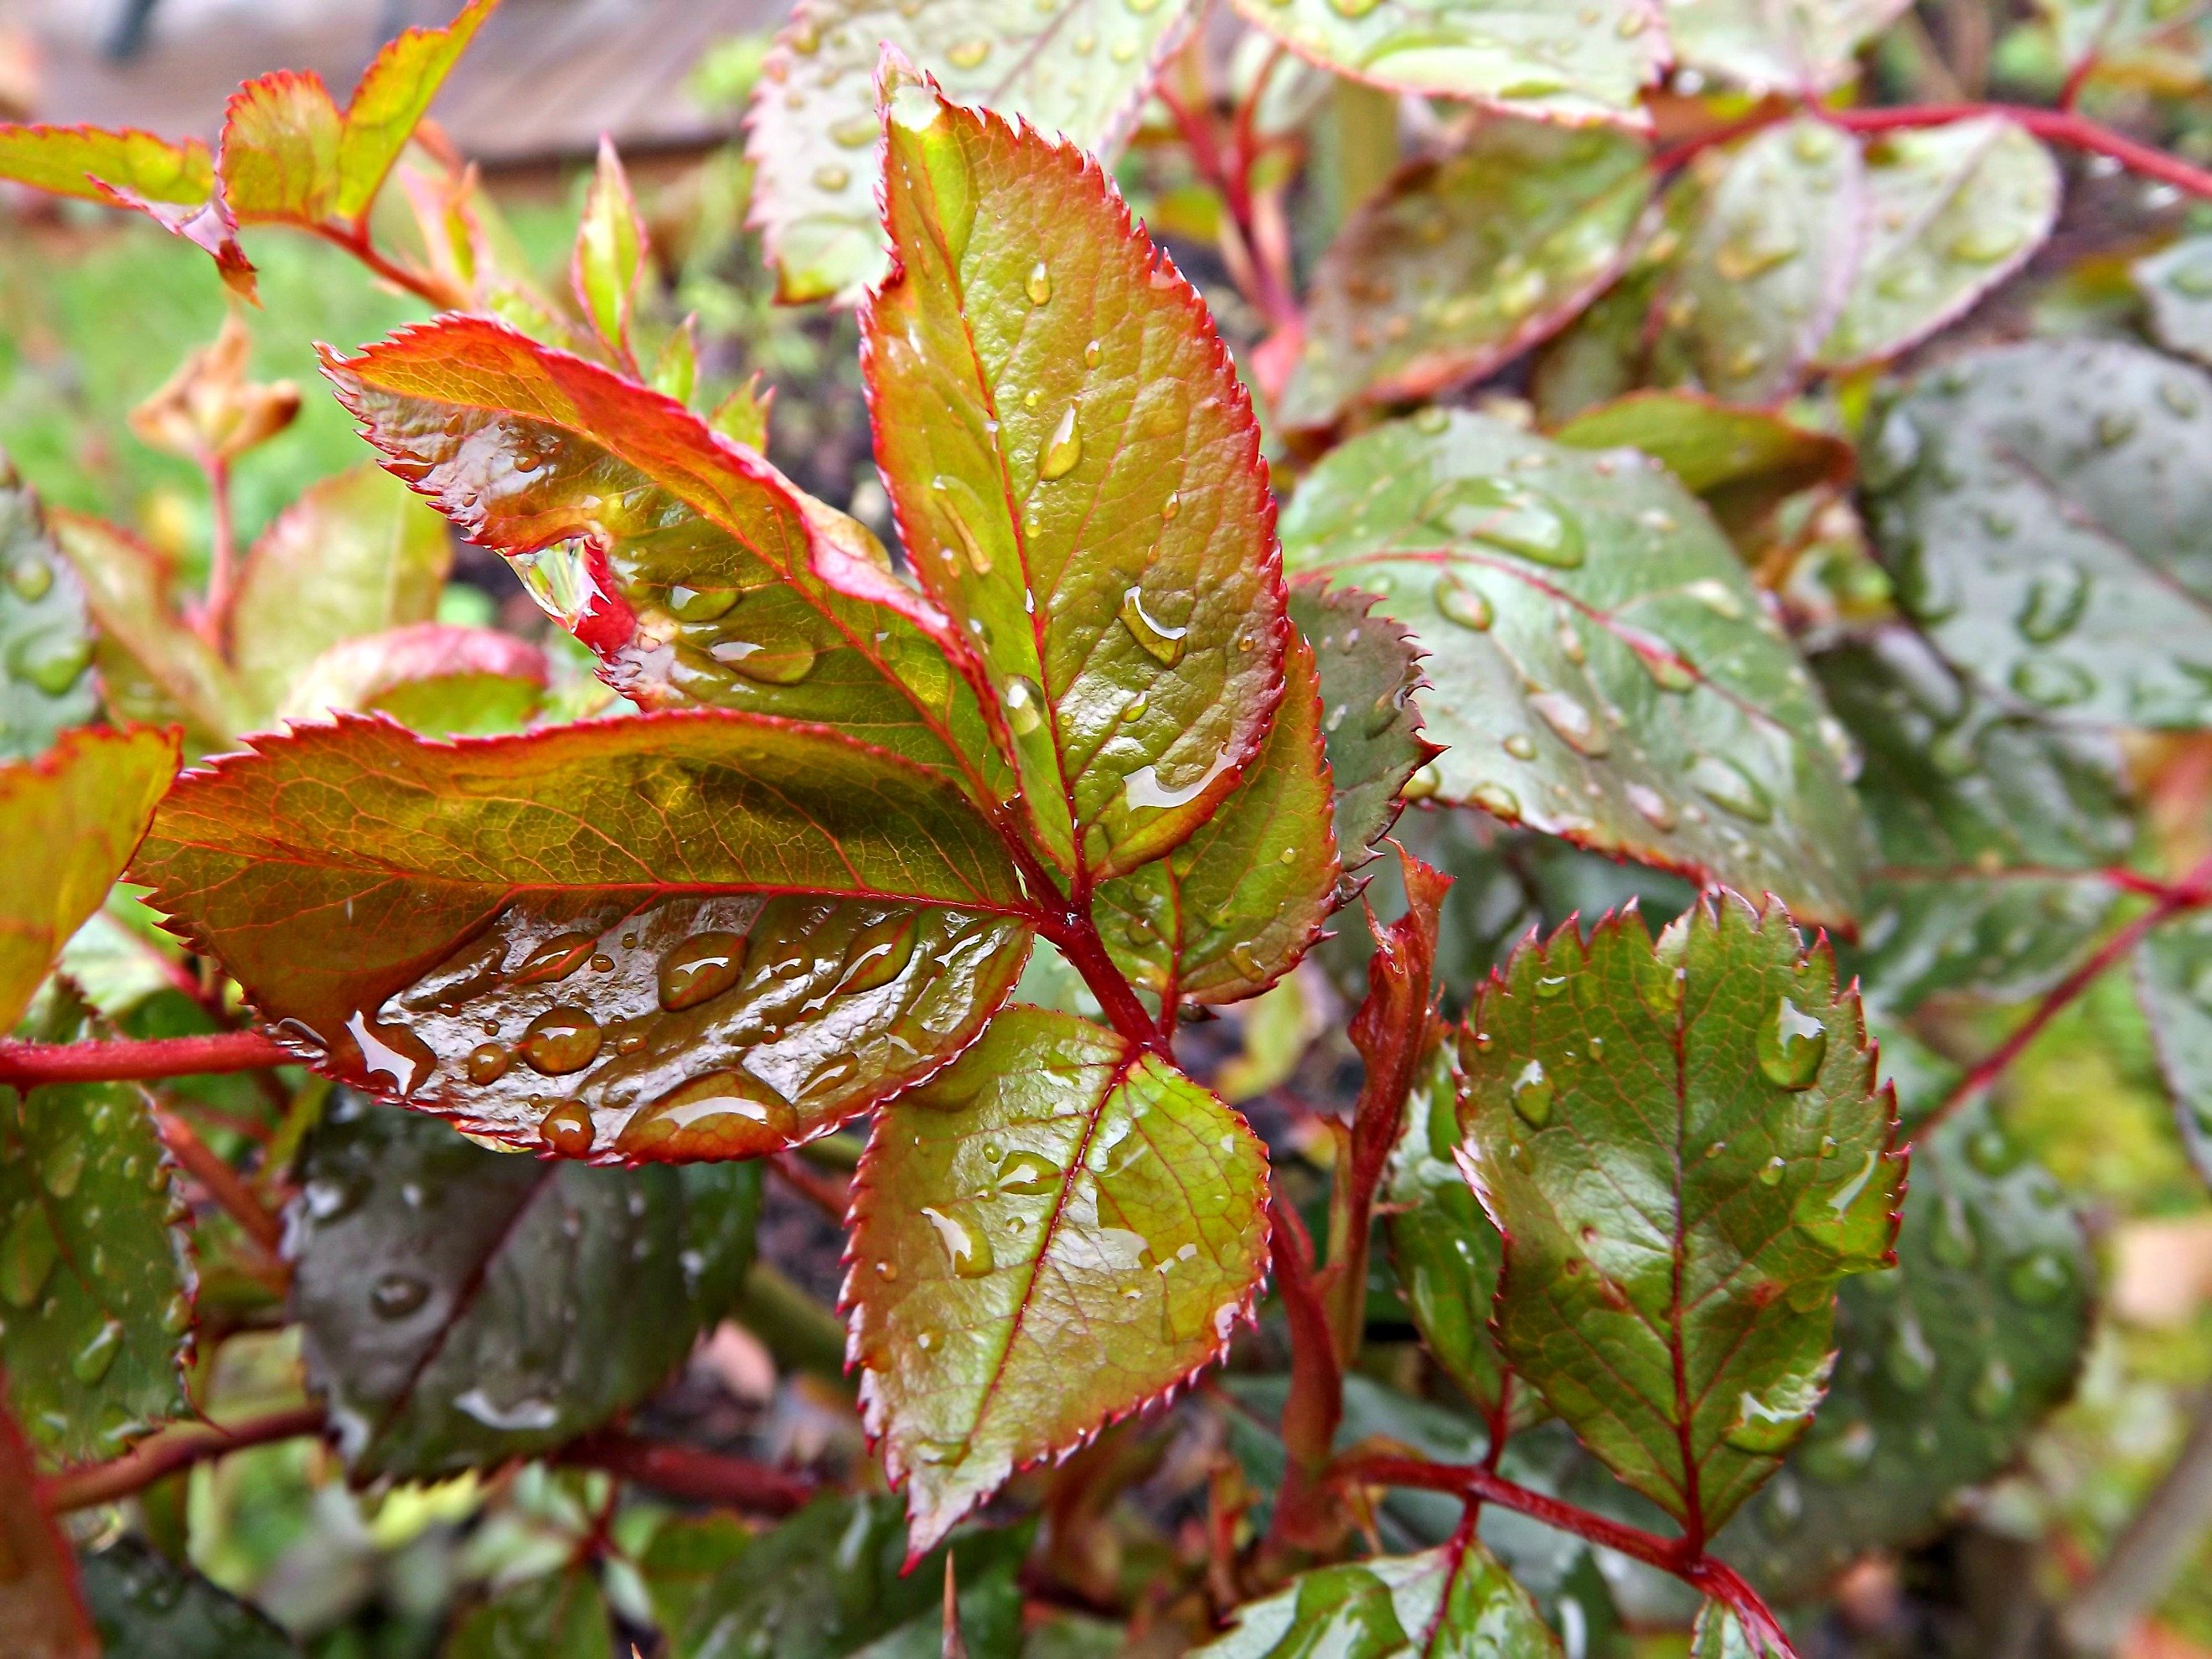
column 1991, row 827
column 142, row 1602
column 71, row 820
column 1060, row 1229
column 42, row 1614
column 562, row 1615
column 1080, row 71
column 767, row 927
column 1447, row 1603
column 2174, row 981
column 1805, row 47
column 461, row 1307
column 2177, row 284
column 1445, row 1247
column 1684, row 1149
column 1945, row 1364
column 1462, row 264
column 2042, row 506
column 433, row 678
column 45, row 636
column 1770, row 235
column 1951, row 212
column 1076, row 472
column 2108, row 29
column 1603, row 669
column 1600, row 355
column 1370, row 668
column 1509, row 55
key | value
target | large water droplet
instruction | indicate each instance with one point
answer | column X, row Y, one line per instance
column 1994, row 1390
column 967, row 1245
column 90, row 1362
column 2055, row 601
column 724, row 1114
column 1731, row 788
column 1578, row 728
column 1039, row 284
column 1791, row 1045
column 1458, row 600
column 1164, row 645
column 488, row 1062
column 785, row 662
column 962, row 511
column 27, row 1255
column 1532, row 1095
column 29, row 578
column 1024, row 706
column 556, row 959
column 1766, row 1429
column 396, row 1295
column 705, row 965
column 1669, row 671
column 63, row 1167
column 1508, row 515
column 1953, row 1242
column 50, row 660
column 2039, row 1278
column 1062, row 450
column 1652, row 807
column 1986, row 244
column 879, row 954
column 1026, row 1174
column 2051, row 682
column 1493, row 797
column 1909, row 1360
column 568, row 1130
column 854, row 131
column 560, row 1040
column 391, row 1051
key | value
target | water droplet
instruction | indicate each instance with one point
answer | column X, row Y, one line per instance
column 1521, row 746
column 1652, row 807
column 177, row 1314
column 831, row 177
column 1770, row 1173
column 1766, row 1429
column 967, row 1246
column 2039, row 1278
column 1792, row 1043
column 1507, row 515
column 556, row 959
column 90, row 1362
column 2115, row 428
column 786, row 662
column 1668, row 672
column 1458, row 601
column 723, row 1114
column 1717, row 596
column 1532, row 1095
column 1551, row 987
column 2051, row 682
column 1741, row 261
column 1990, row 1150
column 1985, row 244
column 1954, row 1243
column 1909, row 1360
column 29, row 577
column 2056, row 600
column 1164, row 645
column 700, row 605
column 1994, row 1390
column 1091, row 354
column 393, row 1052
column 488, row 1062
column 560, row 1040
column 705, row 965
column 1495, row 798
column 1731, row 788
column 27, row 1255
column 1140, row 932
column 1838, row 1456
column 1062, row 450
column 63, row 1167
column 854, row 132
column 1578, row 728
column 50, row 660
column 967, row 54
column 1026, row 1174
column 567, row 1129
column 396, row 1295
column 879, row 954
column 1024, row 705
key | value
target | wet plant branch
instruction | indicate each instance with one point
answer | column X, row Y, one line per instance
column 26, row 1065
column 167, row 1454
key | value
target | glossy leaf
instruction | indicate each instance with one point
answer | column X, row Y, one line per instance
column 392, row 96
column 2176, row 282
column 172, row 183
column 1233, row 908
column 460, row 1308
column 433, row 678
column 1992, row 828
column 1952, row 212
column 1802, row 46
column 355, row 555
column 71, row 820
column 1678, row 1205
column 1371, row 669
column 1741, row 462
column 678, row 936
column 1075, row 470
column 1603, row 669
column 694, row 569
column 1455, row 1602
column 562, row 1615
column 46, row 638
column 1079, row 71
column 1058, row 1231
column 2041, row 506
column 1509, row 55
column 42, row 1615
column 2174, row 981
column 1946, row 1363
column 142, row 1602
column 1445, row 1247
column 609, row 261
column 1770, row 234
column 1462, row 264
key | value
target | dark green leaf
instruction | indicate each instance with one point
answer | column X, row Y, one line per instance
column 1445, row 1247
column 1453, row 1602
column 462, row 1307
column 2173, row 979
column 45, row 637
column 142, row 1602
column 1684, row 1149
column 561, row 1616
column 1370, row 668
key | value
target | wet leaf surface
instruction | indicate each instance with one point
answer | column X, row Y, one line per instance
column 1509, row 55
column 2177, row 282
column 1991, row 827
column 563, row 1615
column 433, row 678
column 1945, row 1364
column 142, row 1602
column 42, row 1615
column 2173, row 981
column 2042, row 506
column 678, row 936
column 1802, row 46
column 1369, row 668
column 1462, row 264
column 1445, row 1247
column 1684, row 1151
column 461, row 1307
column 1075, row 470
column 1603, row 670
column 46, row 635
column 1058, row 1230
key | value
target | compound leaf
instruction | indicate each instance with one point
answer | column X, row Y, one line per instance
column 1685, row 1149
column 2041, row 505
column 681, row 935
column 1509, row 55
column 2174, row 981
column 1604, row 669
column 1452, row 1602
column 1369, row 668
column 45, row 637
column 141, row 1601
column 1462, row 262
column 42, row 1614
column 1058, row 1231
column 460, row 1308
column 1076, row 472
column 1445, row 1247
column 174, row 184
column 1804, row 47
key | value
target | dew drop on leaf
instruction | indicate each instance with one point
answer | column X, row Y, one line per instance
column 1521, row 746
column 1994, row 1390
column 560, row 1040
column 52, row 662
column 556, row 959
column 879, row 954
column 27, row 1255
column 1027, row 1174
column 1765, row 1430
column 786, row 662
column 2050, row 683
column 90, row 1362
column 705, row 965
column 1024, row 707
column 1730, row 787
column 396, row 1295
column 1062, row 450
column 1532, row 1095
column 1164, row 645
column 2056, row 600
column 967, row 54
column 2039, row 1278
column 488, row 1062
column 568, row 1130
column 1507, row 515
column 63, row 1167
column 1651, row 807
column 1494, row 798
column 1792, row 1043
column 1908, row 1359
column 729, row 1114
column 1953, row 1244
column 1836, row 1457
column 29, row 577
column 1770, row 1172
column 967, row 1246
column 1459, row 602
column 1578, row 728
column 854, row 132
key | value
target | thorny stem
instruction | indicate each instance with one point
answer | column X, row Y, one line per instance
column 222, row 1181
column 27, row 1065
column 354, row 239
column 1711, row 1578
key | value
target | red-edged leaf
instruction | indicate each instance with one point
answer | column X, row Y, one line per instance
column 172, row 183
column 394, row 92
column 1076, row 472
column 42, row 1614
column 609, row 260
column 1055, row 1233
column 699, row 934
column 433, row 678
column 1370, row 668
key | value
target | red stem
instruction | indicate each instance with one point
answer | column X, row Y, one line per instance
column 690, row 1471
column 222, row 570
column 1270, row 296
column 1674, row 1555
column 354, row 239
column 26, row 1065
column 2060, row 126
column 826, row 1194
column 179, row 1449
column 221, row 1181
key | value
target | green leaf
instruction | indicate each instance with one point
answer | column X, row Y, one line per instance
column 696, row 571
column 91, row 164
column 1058, row 1230
column 1600, row 355
column 1741, row 462
column 1952, row 212
column 1719, row 1634
column 1445, row 1247
column 1769, row 233
column 2177, row 282
column 1233, row 909
column 563, row 1615
column 42, row 1615
column 1993, row 829
column 1678, row 1208
column 1805, row 47
column 1080, row 72
column 433, row 678
column 460, row 1308
column 355, row 555
column 1513, row 56
column 142, row 1602
column 1946, row 1363
column 393, row 94
column 71, row 820
column 677, row 936
column 1459, row 264
column 1455, row 1602
column 2040, row 506
column 1076, row 472
column 2174, row 981
column 1371, row 669
column 608, row 265
column 46, row 638
column 1603, row 668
